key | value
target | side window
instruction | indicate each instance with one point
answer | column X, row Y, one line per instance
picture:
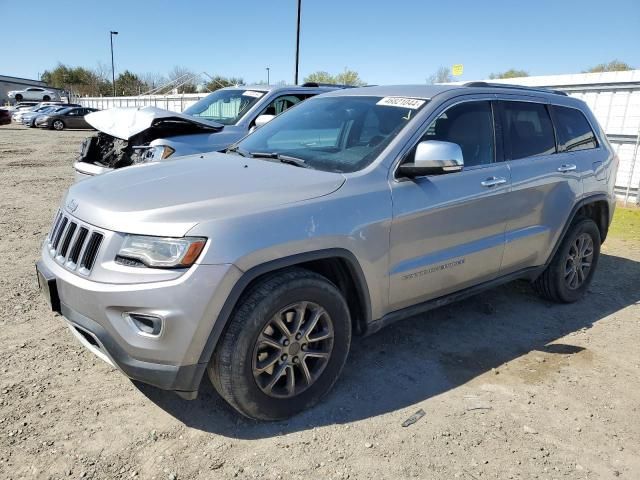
column 470, row 125
column 528, row 129
column 280, row 104
column 574, row 131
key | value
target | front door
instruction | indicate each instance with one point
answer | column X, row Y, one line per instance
column 448, row 230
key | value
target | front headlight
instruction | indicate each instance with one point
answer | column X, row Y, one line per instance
column 155, row 153
column 162, row 252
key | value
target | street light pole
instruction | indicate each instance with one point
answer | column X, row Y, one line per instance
column 298, row 42
column 113, row 70
column 268, row 76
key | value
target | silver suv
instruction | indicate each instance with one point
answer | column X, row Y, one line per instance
column 348, row 212
column 130, row 136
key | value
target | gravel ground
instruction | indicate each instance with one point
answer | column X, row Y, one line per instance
column 511, row 386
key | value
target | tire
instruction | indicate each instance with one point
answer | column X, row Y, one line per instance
column 58, row 125
column 564, row 280
column 19, row 97
column 239, row 368
column 46, row 98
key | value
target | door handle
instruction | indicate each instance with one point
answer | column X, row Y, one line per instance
column 567, row 167
column 493, row 181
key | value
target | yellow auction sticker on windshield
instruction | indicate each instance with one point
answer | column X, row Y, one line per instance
column 402, row 102
column 252, row 93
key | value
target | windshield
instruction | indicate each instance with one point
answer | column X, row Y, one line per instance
column 339, row 134
column 225, row 106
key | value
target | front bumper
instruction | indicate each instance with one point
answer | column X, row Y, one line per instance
column 188, row 306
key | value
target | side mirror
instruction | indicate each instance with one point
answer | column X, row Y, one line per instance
column 434, row 157
column 262, row 119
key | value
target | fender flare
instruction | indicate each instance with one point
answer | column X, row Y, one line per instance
column 271, row 266
column 574, row 211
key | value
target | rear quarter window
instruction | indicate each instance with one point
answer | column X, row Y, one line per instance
column 573, row 129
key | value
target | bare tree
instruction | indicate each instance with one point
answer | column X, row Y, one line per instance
column 442, row 75
column 185, row 78
column 153, row 79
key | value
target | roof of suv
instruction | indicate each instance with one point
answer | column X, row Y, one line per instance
column 429, row 91
column 271, row 88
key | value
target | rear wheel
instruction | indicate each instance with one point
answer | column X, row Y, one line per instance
column 569, row 274
column 284, row 347
column 58, row 124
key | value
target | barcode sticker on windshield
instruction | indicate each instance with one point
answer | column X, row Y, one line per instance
column 252, row 93
column 402, row 102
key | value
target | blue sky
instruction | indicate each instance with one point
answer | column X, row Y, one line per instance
column 399, row 41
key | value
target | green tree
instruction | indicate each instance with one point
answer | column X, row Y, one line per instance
column 218, row 81
column 347, row 77
column 320, row 77
column 511, row 73
column 128, row 83
column 612, row 66
column 442, row 75
column 79, row 80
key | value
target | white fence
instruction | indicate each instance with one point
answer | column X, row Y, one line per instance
column 173, row 102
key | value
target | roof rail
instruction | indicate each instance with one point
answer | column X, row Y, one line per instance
column 317, row 84
column 514, row 87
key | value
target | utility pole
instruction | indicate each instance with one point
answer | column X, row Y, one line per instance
column 298, row 43
column 268, row 76
column 113, row 69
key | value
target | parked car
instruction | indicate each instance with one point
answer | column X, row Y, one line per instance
column 29, row 118
column 34, row 93
column 68, row 118
column 353, row 210
column 18, row 115
column 131, row 136
column 5, row 116
column 21, row 106
column 26, row 108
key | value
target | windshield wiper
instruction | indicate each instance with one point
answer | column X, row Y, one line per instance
column 289, row 160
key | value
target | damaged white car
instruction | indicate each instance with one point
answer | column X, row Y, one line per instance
column 131, row 136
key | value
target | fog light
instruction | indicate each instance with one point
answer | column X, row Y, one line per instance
column 146, row 324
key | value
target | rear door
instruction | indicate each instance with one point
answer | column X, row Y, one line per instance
column 447, row 231
column 545, row 184
column 74, row 118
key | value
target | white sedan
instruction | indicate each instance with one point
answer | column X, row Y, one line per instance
column 34, row 93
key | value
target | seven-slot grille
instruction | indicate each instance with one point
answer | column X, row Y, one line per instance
column 73, row 244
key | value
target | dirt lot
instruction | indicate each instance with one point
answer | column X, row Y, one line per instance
column 511, row 386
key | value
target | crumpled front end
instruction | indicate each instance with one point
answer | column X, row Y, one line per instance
column 125, row 134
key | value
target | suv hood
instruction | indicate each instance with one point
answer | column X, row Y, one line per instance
column 124, row 123
column 169, row 198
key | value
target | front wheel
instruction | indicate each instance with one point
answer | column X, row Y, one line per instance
column 46, row 98
column 58, row 125
column 19, row 98
column 284, row 347
column 571, row 270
